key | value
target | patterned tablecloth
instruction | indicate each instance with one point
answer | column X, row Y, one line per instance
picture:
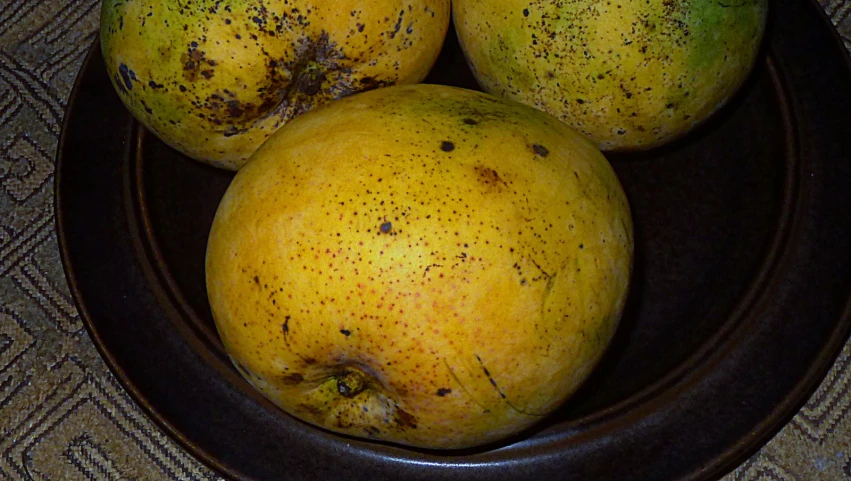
column 62, row 414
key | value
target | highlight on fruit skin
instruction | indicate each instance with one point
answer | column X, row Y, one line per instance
column 628, row 74
column 214, row 79
column 423, row 265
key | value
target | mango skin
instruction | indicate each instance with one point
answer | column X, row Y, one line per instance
column 213, row 79
column 628, row 74
column 424, row 265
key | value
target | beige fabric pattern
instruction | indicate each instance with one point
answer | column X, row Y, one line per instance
column 62, row 414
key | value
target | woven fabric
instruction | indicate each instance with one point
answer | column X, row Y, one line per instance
column 62, row 414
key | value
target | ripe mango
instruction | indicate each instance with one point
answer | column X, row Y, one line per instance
column 214, row 79
column 423, row 264
column 628, row 74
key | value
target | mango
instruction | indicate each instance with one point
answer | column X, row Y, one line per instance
column 628, row 74
column 213, row 79
column 424, row 265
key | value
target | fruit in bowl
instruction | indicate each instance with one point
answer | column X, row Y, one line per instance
column 424, row 265
column 628, row 74
column 214, row 79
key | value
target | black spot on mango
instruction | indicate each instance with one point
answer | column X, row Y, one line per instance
column 126, row 76
column 540, row 150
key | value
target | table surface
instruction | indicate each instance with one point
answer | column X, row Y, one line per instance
column 62, row 414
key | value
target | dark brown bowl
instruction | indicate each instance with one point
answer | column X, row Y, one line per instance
column 739, row 306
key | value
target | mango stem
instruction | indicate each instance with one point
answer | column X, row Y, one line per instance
column 350, row 383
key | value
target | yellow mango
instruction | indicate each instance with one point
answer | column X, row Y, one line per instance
column 424, row 265
column 214, row 79
column 628, row 74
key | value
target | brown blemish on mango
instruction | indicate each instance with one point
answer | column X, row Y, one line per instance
column 292, row 379
column 314, row 411
column 404, row 419
column 194, row 61
column 490, row 178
